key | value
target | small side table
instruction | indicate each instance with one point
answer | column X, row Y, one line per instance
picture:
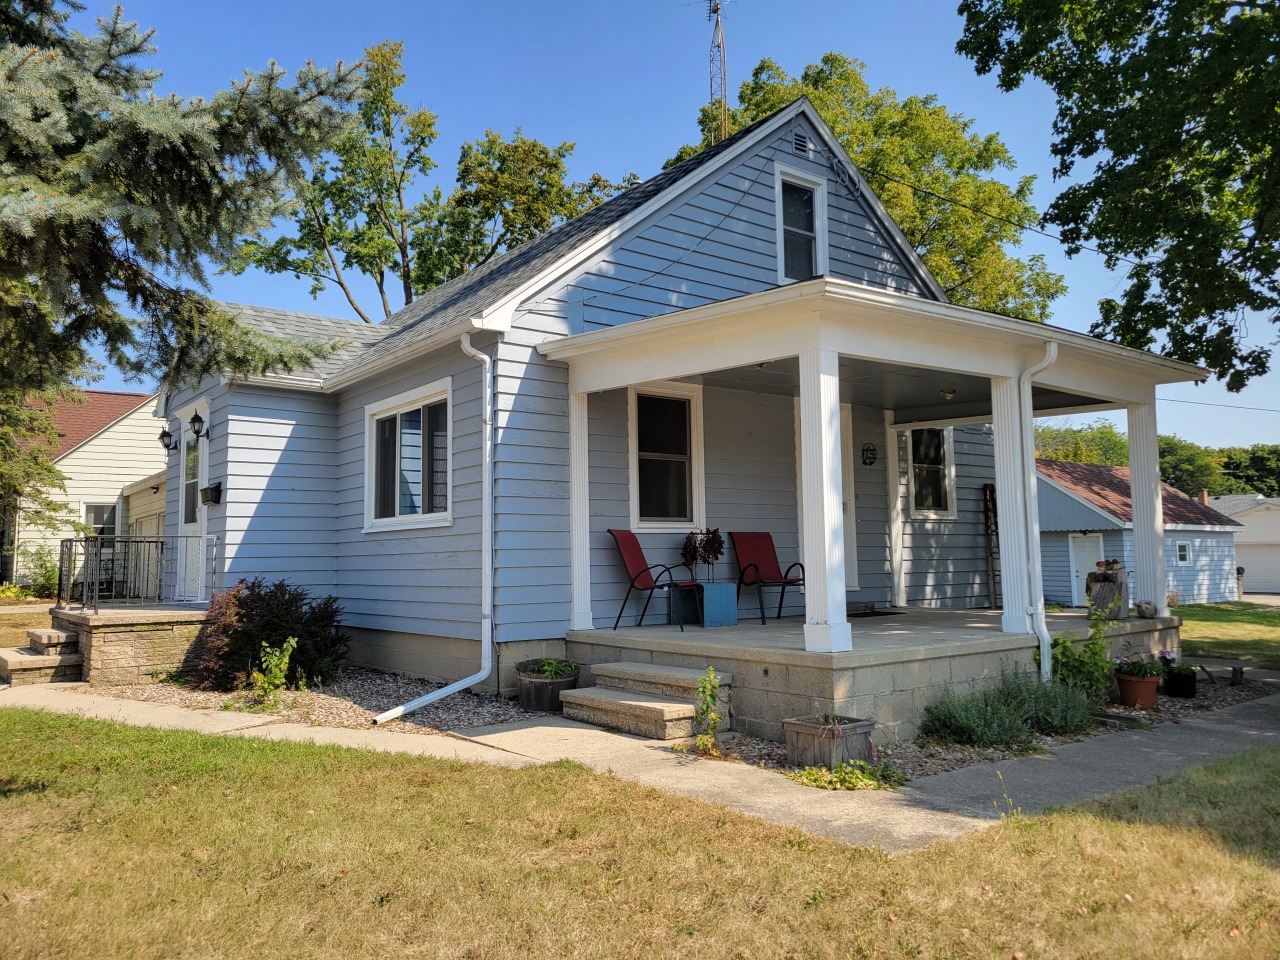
column 719, row 604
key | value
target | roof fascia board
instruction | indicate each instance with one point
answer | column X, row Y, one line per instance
column 874, row 206
column 503, row 311
column 1072, row 495
column 1202, row 527
column 138, row 486
column 94, row 436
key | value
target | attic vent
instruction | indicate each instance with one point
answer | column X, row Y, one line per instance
column 800, row 142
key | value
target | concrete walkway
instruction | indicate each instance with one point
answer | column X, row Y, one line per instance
column 939, row 807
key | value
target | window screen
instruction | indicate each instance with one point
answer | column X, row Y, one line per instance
column 798, row 235
column 664, row 458
column 411, row 462
column 929, row 471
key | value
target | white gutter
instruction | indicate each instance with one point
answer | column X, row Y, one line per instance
column 1030, row 499
column 486, row 551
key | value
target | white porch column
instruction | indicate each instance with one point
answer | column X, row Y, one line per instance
column 826, row 627
column 1148, row 514
column 1011, row 477
column 897, row 573
column 579, row 514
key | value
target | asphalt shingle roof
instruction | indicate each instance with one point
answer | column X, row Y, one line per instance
column 1239, row 503
column 1108, row 489
column 357, row 337
column 77, row 422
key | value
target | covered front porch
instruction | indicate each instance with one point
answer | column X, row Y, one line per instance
column 832, row 347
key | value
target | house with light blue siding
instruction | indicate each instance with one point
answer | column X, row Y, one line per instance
column 1086, row 515
column 745, row 341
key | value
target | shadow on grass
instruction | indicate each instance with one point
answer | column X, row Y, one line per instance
column 12, row 787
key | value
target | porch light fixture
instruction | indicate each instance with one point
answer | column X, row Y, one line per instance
column 949, row 393
column 197, row 426
column 168, row 440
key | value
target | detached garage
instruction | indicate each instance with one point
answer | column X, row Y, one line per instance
column 1258, row 540
column 1086, row 515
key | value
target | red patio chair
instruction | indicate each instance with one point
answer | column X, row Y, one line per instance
column 649, row 577
column 758, row 566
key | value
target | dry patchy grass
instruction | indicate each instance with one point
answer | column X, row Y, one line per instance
column 138, row 843
column 1234, row 631
column 13, row 627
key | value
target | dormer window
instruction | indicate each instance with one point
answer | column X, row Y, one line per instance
column 801, row 211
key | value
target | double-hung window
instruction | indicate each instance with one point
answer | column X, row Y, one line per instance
column 666, row 458
column 1184, row 553
column 801, row 218
column 408, row 457
column 100, row 518
column 932, row 473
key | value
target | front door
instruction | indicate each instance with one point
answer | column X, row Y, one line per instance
column 191, row 526
column 1086, row 551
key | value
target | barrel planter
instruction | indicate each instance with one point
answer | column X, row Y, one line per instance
column 538, row 693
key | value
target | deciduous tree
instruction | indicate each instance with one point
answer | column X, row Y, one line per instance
column 1172, row 109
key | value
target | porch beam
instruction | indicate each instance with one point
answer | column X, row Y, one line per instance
column 1011, row 476
column 826, row 627
column 579, row 514
column 1148, row 512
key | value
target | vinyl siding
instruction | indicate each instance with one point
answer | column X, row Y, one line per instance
column 1061, row 512
column 1055, row 563
column 1211, row 575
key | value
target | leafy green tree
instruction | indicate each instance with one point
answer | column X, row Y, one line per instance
column 113, row 199
column 931, row 171
column 360, row 211
column 1098, row 442
column 1257, row 467
column 1192, row 468
column 1173, row 108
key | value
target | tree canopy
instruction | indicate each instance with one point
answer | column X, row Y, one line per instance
column 360, row 210
column 1173, row 109
column 115, row 201
column 931, row 171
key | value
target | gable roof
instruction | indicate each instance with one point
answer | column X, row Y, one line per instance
column 473, row 294
column 78, row 422
column 355, row 336
column 1236, row 504
column 1108, row 490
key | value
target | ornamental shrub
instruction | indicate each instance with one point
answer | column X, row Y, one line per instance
column 254, row 613
column 1009, row 715
column 41, row 564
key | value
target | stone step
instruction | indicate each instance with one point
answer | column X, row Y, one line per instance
column 644, row 714
column 25, row 665
column 678, row 682
column 51, row 641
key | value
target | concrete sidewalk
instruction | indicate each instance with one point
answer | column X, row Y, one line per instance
column 934, row 808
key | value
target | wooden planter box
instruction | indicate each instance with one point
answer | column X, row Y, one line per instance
column 826, row 741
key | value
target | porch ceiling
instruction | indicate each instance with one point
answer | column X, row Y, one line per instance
column 912, row 393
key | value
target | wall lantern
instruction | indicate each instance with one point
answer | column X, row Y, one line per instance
column 196, row 423
column 168, row 440
column 197, row 426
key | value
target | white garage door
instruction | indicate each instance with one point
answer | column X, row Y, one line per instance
column 1261, row 562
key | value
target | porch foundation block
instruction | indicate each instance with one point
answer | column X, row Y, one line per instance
column 129, row 646
column 446, row 659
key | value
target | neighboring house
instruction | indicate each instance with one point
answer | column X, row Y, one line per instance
column 105, row 444
column 1258, row 540
column 1086, row 515
column 745, row 341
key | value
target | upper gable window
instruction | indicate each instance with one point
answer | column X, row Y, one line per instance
column 801, row 218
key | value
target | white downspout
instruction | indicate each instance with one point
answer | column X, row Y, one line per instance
column 1032, row 523
column 486, row 550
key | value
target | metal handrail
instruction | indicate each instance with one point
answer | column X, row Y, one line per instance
column 127, row 570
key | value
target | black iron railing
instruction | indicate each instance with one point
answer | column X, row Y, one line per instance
column 116, row 570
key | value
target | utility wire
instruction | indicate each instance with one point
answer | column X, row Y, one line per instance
column 990, row 215
column 1228, row 406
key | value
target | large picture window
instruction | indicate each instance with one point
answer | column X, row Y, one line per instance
column 408, row 446
column 932, row 473
column 666, row 438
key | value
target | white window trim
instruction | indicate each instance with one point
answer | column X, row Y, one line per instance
column 948, row 438
column 783, row 173
column 418, row 397
column 686, row 391
column 1177, row 551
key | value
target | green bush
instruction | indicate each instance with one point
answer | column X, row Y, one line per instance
column 1084, row 666
column 253, row 614
column 41, row 563
column 1009, row 715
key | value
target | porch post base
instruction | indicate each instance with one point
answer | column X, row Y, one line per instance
column 581, row 621
column 827, row 637
column 1011, row 621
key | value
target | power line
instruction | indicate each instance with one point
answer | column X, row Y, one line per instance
column 1228, row 406
column 990, row 215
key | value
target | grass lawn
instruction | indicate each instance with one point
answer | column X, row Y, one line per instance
column 13, row 627
column 1235, row 631
column 123, row 842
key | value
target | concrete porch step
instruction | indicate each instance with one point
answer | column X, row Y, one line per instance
column 644, row 714
column 26, row 665
column 678, row 682
column 50, row 641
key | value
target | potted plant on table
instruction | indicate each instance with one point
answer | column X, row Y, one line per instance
column 541, row 680
column 703, row 546
column 1179, row 678
column 1136, row 678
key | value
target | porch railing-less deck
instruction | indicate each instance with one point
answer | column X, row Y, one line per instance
column 93, row 571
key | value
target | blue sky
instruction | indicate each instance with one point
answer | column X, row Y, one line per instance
column 624, row 81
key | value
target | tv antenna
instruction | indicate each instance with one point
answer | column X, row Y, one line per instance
column 719, row 85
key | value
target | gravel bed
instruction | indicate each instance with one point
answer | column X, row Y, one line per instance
column 353, row 701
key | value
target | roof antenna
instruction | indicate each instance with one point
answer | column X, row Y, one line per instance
column 719, row 93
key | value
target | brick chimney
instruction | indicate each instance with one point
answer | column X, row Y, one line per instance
column 1204, row 497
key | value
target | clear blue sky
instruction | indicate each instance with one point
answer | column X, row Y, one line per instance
column 624, row 81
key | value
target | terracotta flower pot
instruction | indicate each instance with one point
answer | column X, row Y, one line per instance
column 1139, row 692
